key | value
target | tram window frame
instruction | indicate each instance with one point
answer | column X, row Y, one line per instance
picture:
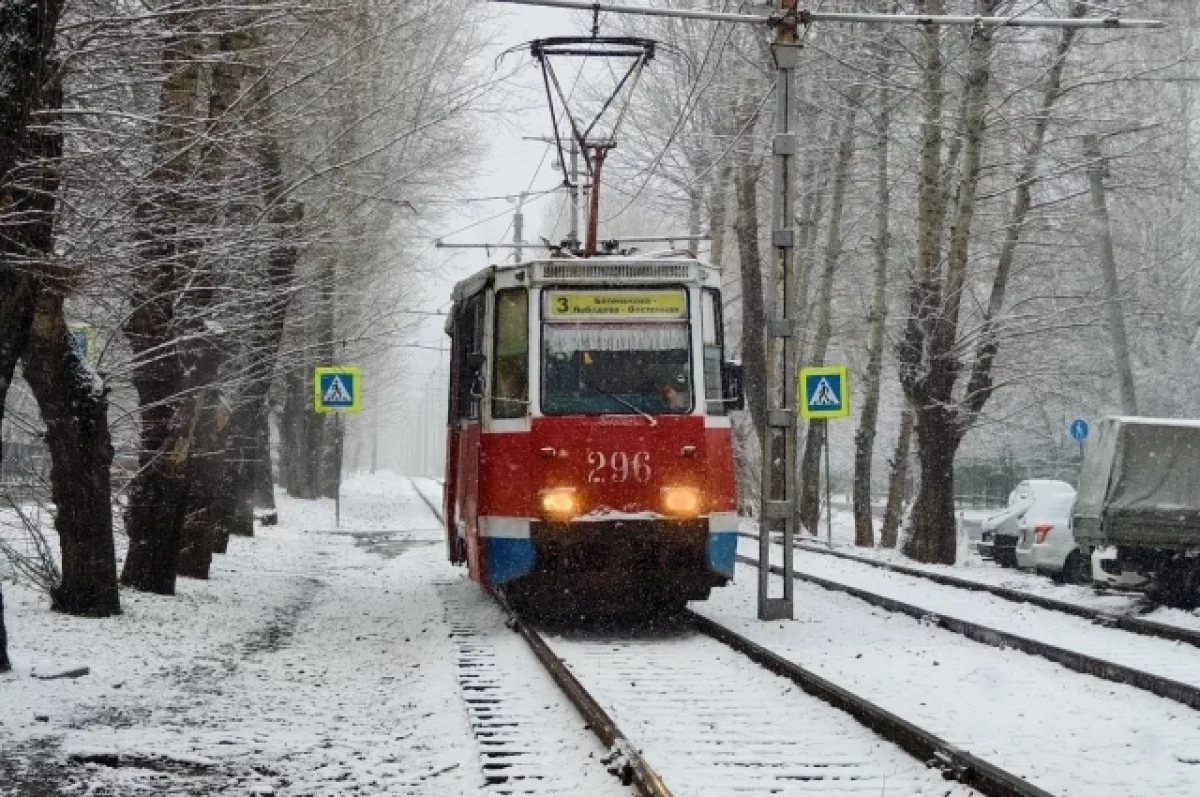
column 688, row 321
column 469, row 357
column 507, row 407
column 712, row 345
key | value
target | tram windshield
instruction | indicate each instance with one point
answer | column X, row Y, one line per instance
column 616, row 368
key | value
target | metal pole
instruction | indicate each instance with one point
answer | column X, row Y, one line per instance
column 519, row 229
column 573, row 233
column 337, row 494
column 780, row 398
column 828, row 488
column 1110, row 22
column 593, row 227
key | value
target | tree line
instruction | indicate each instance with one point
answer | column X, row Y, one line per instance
column 224, row 195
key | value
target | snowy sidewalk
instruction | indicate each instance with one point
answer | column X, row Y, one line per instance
column 312, row 663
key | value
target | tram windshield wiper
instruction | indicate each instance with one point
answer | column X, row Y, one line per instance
column 619, row 400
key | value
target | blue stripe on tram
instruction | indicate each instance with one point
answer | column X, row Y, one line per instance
column 722, row 552
column 508, row 558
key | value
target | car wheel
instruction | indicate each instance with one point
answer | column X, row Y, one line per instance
column 1077, row 569
column 1005, row 557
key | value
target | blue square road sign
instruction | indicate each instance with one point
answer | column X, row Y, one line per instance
column 824, row 393
column 337, row 390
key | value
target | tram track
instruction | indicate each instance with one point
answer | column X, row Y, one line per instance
column 1134, row 625
column 1162, row 686
column 742, row 736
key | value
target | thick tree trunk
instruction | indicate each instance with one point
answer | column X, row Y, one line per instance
column 864, row 438
column 74, row 408
column 754, row 356
column 301, row 438
column 264, row 483
column 934, row 534
column 72, row 403
column 158, row 493
column 5, row 664
column 326, row 444
column 207, row 474
column 242, row 460
column 897, row 481
column 929, row 360
column 16, row 314
column 27, row 34
column 157, row 506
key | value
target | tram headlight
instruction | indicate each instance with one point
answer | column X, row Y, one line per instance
column 560, row 503
column 681, row 501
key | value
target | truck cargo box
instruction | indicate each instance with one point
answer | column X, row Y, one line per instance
column 1140, row 485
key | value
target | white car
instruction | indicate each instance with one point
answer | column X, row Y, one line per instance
column 1001, row 531
column 1046, row 541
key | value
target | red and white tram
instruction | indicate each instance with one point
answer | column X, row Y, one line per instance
column 590, row 458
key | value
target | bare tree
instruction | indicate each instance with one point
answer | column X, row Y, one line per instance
column 930, row 360
column 864, row 438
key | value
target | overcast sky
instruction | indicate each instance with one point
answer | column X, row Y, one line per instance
column 513, row 164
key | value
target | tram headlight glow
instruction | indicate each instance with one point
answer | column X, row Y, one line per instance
column 681, row 501
column 559, row 503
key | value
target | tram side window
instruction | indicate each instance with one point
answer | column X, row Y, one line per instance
column 468, row 356
column 714, row 350
column 510, row 379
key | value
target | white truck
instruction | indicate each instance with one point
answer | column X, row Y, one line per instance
column 1139, row 492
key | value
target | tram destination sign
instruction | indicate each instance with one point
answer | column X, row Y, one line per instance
column 616, row 305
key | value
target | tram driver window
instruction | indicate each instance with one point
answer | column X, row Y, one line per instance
column 510, row 379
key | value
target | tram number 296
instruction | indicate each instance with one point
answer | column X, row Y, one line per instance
column 617, row 467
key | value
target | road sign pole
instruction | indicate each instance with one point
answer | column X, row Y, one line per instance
column 340, row 430
column 828, row 489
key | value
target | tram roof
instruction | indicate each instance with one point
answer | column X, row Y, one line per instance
column 638, row 269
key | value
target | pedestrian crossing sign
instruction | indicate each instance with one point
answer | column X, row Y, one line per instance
column 337, row 390
column 824, row 393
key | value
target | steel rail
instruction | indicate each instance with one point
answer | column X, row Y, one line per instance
column 956, row 764
column 436, row 510
column 803, row 17
column 1134, row 625
column 1158, row 685
column 635, row 770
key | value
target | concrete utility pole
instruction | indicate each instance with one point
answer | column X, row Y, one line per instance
column 777, row 511
column 781, row 407
column 573, row 190
column 519, row 228
column 1097, row 170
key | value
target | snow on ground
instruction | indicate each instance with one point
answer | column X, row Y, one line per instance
column 311, row 663
column 1068, row 733
column 1175, row 660
column 975, row 568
